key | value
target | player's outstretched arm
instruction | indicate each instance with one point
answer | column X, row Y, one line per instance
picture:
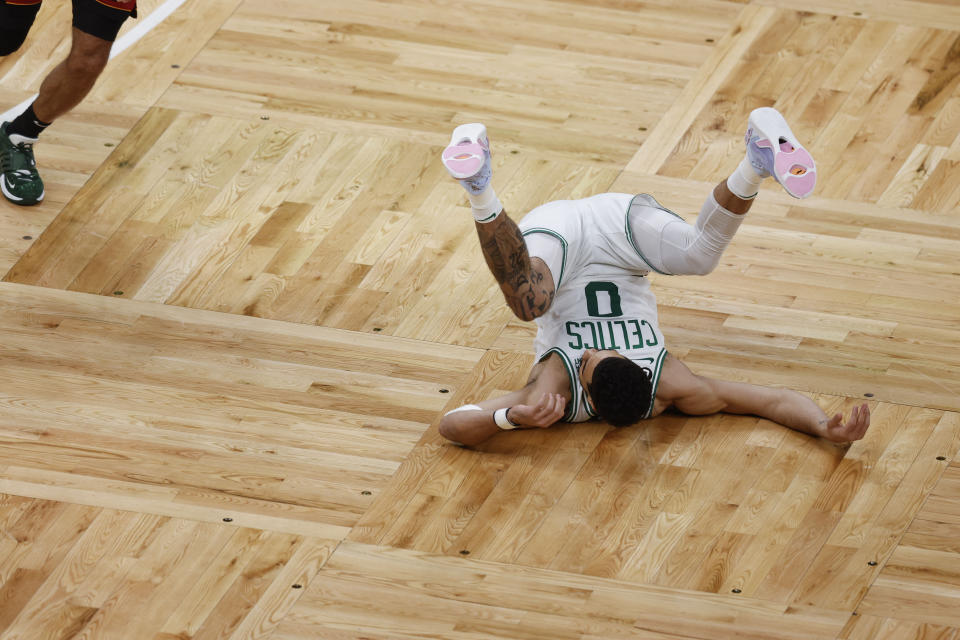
column 699, row 395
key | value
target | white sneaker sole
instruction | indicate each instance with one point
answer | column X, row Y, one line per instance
column 792, row 165
column 465, row 156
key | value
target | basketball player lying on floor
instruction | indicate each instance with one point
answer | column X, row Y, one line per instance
column 578, row 267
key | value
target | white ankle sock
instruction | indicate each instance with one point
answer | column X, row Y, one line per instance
column 485, row 205
column 745, row 181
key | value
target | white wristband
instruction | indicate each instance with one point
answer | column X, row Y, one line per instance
column 500, row 417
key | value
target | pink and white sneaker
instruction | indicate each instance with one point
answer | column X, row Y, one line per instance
column 773, row 150
column 467, row 158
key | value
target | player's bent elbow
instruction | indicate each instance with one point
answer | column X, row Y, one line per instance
column 526, row 314
column 448, row 430
column 523, row 310
column 452, row 432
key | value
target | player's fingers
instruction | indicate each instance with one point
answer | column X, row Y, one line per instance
column 551, row 405
column 853, row 424
column 864, row 420
column 548, row 414
column 545, row 408
column 558, row 403
column 856, row 426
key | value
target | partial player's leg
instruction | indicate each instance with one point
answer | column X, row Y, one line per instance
column 71, row 80
column 95, row 27
column 62, row 90
column 526, row 283
column 671, row 246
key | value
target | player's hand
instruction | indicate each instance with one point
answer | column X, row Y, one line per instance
column 837, row 430
column 548, row 410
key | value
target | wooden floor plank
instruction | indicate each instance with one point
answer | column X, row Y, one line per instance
column 932, row 13
column 89, row 583
column 256, row 379
column 422, row 595
column 869, row 627
column 918, row 583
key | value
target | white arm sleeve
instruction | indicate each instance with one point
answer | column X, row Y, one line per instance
column 670, row 245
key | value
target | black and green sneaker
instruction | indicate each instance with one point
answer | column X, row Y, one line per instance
column 20, row 182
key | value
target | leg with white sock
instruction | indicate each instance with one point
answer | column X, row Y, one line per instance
column 526, row 282
column 670, row 245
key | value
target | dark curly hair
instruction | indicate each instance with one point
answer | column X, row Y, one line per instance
column 621, row 390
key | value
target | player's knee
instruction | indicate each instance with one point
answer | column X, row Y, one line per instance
column 87, row 64
column 88, row 55
column 702, row 265
column 692, row 264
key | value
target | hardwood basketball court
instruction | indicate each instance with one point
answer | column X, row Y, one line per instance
column 228, row 333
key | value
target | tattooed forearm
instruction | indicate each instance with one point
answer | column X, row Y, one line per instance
column 525, row 288
column 504, row 248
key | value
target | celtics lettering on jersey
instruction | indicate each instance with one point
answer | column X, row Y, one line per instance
column 603, row 301
column 611, row 334
column 616, row 313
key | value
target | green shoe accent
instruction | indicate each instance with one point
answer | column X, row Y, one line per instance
column 20, row 182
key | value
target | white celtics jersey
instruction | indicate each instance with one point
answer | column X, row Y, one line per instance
column 603, row 298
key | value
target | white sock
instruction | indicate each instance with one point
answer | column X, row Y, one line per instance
column 485, row 205
column 745, row 181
